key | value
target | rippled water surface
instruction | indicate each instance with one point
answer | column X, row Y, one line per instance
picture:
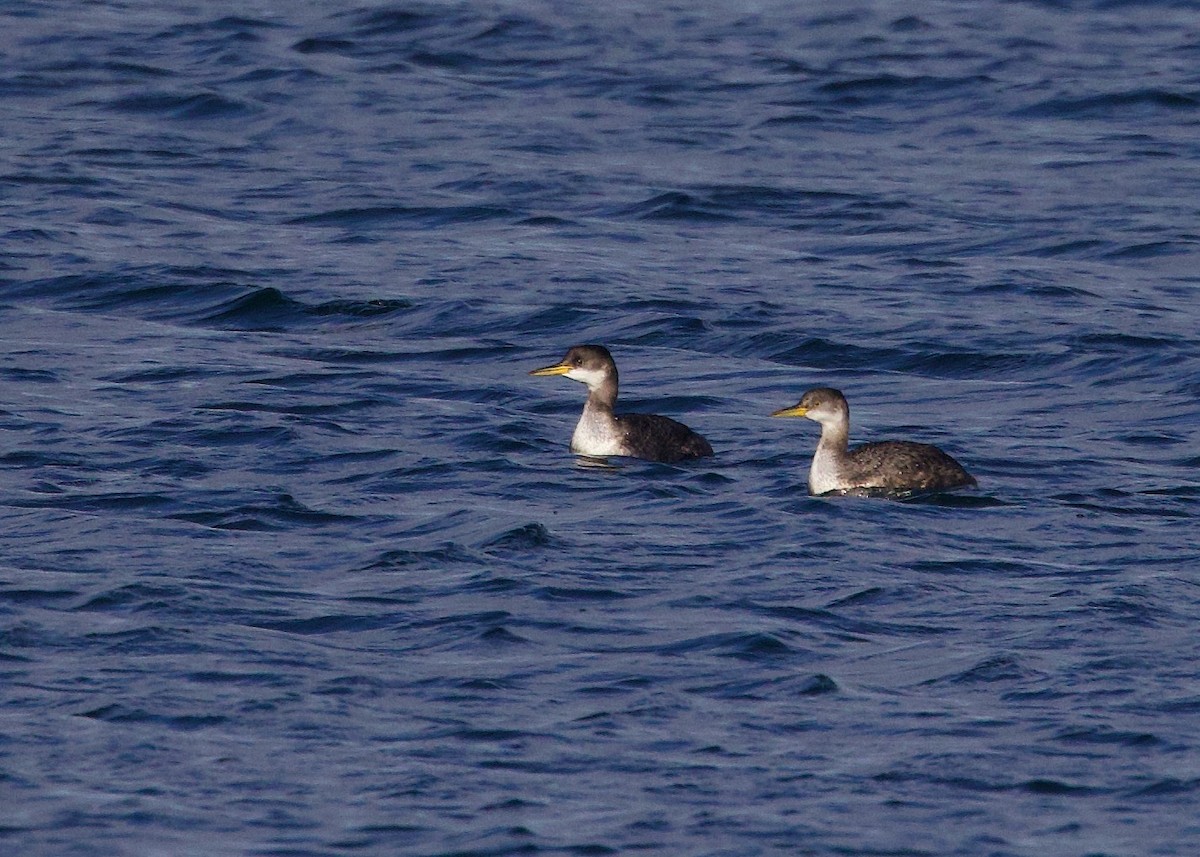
column 295, row 560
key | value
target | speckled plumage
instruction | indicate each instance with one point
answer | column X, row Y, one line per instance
column 658, row 438
column 601, row 432
column 902, row 465
column 890, row 465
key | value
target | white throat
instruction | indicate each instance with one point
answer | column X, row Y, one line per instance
column 824, row 475
column 592, row 377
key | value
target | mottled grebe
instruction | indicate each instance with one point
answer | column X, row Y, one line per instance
column 890, row 465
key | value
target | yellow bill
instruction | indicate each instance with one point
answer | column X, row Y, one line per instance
column 556, row 369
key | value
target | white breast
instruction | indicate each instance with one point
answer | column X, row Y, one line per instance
column 823, row 475
column 595, row 435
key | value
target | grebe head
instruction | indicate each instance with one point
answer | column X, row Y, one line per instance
column 822, row 404
column 588, row 364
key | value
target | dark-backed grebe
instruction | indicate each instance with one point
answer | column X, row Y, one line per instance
column 600, row 432
column 889, row 465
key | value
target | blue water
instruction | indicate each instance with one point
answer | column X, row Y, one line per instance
column 295, row 560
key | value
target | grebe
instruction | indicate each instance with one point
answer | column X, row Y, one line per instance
column 600, row 432
column 889, row 465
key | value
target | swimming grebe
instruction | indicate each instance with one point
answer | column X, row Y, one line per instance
column 890, row 465
column 601, row 432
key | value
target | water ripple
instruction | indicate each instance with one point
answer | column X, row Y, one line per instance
column 296, row 556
